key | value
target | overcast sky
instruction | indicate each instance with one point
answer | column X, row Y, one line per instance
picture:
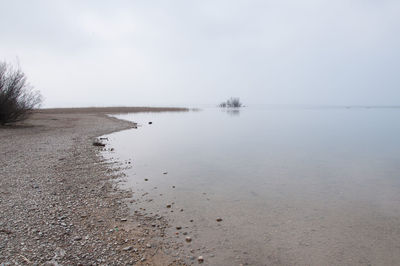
column 182, row 52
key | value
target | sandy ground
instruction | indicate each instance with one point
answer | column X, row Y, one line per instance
column 59, row 200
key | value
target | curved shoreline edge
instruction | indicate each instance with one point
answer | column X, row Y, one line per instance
column 59, row 201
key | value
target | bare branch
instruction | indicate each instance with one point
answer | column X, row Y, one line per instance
column 17, row 97
column 232, row 103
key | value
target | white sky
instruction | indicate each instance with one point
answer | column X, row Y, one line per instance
column 182, row 52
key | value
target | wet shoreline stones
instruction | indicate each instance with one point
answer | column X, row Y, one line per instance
column 62, row 205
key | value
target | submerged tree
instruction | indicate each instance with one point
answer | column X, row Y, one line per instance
column 17, row 97
column 232, row 102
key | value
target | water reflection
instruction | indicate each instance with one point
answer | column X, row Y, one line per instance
column 231, row 111
column 305, row 186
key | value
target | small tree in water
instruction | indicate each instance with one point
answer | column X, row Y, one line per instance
column 232, row 102
column 17, row 97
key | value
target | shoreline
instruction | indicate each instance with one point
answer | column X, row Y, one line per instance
column 60, row 201
column 110, row 110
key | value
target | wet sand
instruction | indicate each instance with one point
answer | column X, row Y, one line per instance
column 59, row 199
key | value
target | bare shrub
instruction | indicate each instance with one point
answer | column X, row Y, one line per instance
column 17, row 97
column 232, row 103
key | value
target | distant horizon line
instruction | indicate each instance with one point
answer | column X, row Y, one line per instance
column 244, row 106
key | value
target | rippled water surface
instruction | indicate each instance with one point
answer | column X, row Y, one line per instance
column 306, row 186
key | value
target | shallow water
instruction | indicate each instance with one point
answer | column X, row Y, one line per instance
column 305, row 186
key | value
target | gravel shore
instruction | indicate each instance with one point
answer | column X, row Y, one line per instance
column 59, row 201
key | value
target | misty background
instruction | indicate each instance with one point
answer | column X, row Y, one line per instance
column 107, row 53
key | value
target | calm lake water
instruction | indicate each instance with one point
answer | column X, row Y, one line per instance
column 304, row 186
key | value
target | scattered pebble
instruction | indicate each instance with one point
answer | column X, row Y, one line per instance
column 188, row 239
column 98, row 144
column 127, row 248
column 219, row 219
column 200, row 259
